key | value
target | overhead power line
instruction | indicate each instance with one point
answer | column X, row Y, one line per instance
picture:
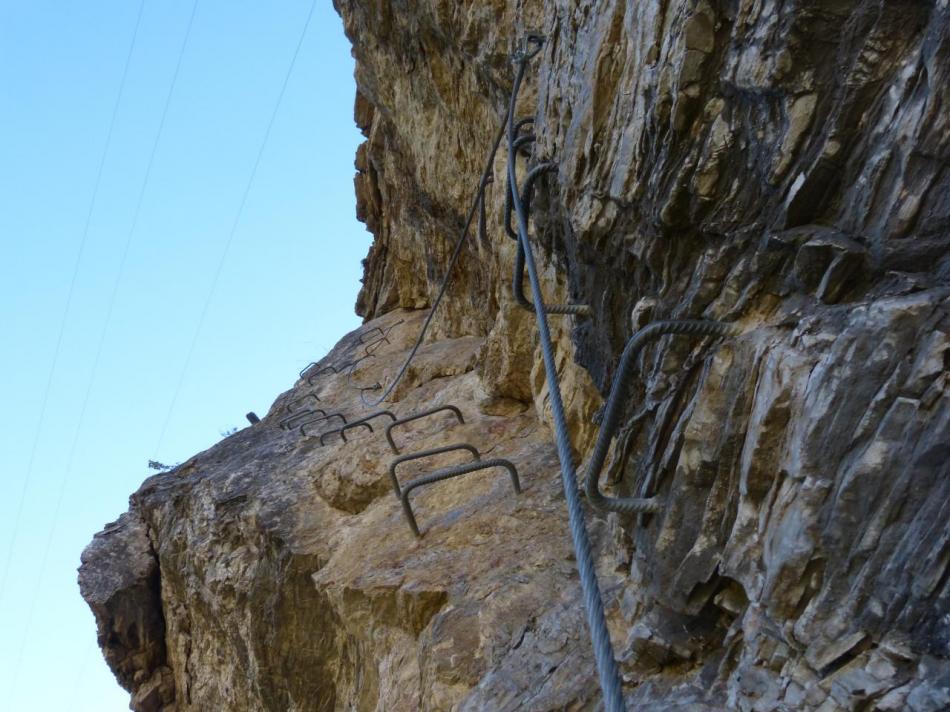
column 102, row 336
column 230, row 238
column 84, row 235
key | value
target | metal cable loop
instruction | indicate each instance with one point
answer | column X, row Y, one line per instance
column 448, row 473
column 423, row 454
column 616, row 401
column 593, row 604
column 483, row 181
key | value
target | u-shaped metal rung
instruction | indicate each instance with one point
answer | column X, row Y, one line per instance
column 362, row 421
column 417, row 416
column 374, row 345
column 616, row 401
column 307, row 368
column 288, row 422
column 426, row 453
column 325, row 369
column 363, row 335
column 330, row 416
column 342, row 431
column 448, row 473
column 518, row 274
column 304, row 397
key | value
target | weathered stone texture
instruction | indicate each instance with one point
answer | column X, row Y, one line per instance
column 781, row 165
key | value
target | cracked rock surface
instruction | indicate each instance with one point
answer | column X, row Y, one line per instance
column 783, row 166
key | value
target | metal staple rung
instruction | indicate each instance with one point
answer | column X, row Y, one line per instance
column 342, row 431
column 304, row 397
column 303, row 426
column 288, row 422
column 417, row 416
column 374, row 345
column 526, row 195
column 325, row 369
column 449, row 473
column 368, row 332
column 359, row 423
column 426, row 453
column 616, row 402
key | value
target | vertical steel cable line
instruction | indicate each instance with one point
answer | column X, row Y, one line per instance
column 482, row 184
column 69, row 297
column 105, row 328
column 593, row 604
column 231, row 233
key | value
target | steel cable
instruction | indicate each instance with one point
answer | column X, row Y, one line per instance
column 593, row 604
column 482, row 183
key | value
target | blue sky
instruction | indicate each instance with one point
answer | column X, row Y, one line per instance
column 287, row 282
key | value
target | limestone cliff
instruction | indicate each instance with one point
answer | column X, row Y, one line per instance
column 782, row 166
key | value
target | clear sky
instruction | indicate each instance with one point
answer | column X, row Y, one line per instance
column 287, row 274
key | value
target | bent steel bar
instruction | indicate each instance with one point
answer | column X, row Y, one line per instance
column 304, row 397
column 483, row 217
column 325, row 369
column 307, row 368
column 448, row 473
column 527, row 191
column 426, row 453
column 371, row 416
column 288, row 422
column 487, row 171
column 374, row 345
column 593, row 604
column 342, row 431
column 303, row 426
column 368, row 332
column 525, row 303
column 617, row 399
column 361, row 422
column 518, row 275
column 418, row 416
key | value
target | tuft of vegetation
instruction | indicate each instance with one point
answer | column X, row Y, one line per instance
column 160, row 466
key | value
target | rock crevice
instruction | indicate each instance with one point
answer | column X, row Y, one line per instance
column 781, row 166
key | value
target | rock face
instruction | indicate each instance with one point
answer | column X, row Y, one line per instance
column 784, row 166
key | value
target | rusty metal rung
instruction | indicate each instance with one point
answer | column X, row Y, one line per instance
column 330, row 416
column 342, row 431
column 359, row 423
column 361, row 338
column 374, row 345
column 311, row 394
column 417, row 416
column 426, row 453
column 325, row 369
column 288, row 422
column 449, row 473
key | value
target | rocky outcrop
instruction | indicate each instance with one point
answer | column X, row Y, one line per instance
column 779, row 166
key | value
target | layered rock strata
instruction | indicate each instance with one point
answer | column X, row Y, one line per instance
column 781, row 166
